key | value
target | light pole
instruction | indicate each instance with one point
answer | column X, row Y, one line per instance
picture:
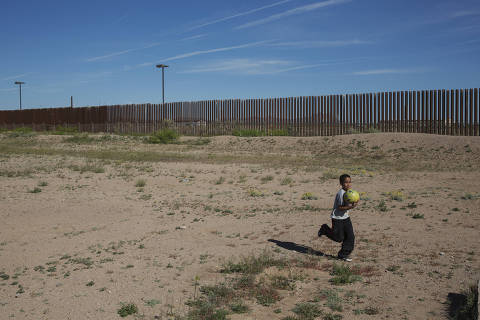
column 20, row 83
column 163, row 66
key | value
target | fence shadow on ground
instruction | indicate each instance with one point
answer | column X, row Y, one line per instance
column 299, row 248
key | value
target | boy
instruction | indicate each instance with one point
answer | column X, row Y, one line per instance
column 342, row 229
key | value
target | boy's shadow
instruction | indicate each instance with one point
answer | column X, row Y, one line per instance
column 299, row 248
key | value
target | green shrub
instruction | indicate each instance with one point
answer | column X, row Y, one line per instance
column 35, row 190
column 21, row 132
column 253, row 264
column 278, row 132
column 163, row 136
column 218, row 294
column 382, row 206
column 308, row 196
column 395, row 195
column 127, row 309
column 82, row 138
column 307, row 311
column 343, row 275
column 239, row 307
column 282, row 282
column 266, row 295
column 286, row 180
column 140, row 183
column 204, row 309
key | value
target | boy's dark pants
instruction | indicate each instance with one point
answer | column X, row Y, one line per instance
column 341, row 231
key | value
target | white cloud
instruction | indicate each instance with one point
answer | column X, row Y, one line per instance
column 258, row 67
column 240, row 14
column 385, row 71
column 195, row 53
column 294, row 11
column 240, row 66
column 319, row 44
column 8, row 89
column 198, row 36
column 121, row 52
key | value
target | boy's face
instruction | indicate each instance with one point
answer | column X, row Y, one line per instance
column 347, row 183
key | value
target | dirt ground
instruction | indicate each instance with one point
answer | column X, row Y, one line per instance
column 90, row 224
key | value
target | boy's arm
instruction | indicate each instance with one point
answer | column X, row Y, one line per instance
column 349, row 206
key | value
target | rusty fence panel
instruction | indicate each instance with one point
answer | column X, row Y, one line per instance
column 444, row 112
column 477, row 120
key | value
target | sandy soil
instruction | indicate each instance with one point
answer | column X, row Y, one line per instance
column 80, row 235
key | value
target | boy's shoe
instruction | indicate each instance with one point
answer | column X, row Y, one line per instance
column 346, row 259
column 321, row 232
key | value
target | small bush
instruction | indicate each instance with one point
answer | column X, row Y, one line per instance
column 418, row 216
column 140, row 183
column 220, row 180
column 412, row 205
column 245, row 282
column 218, row 294
column 253, row 264
column 82, row 138
column 395, row 195
column 35, row 190
column 331, row 316
column 21, row 132
column 282, row 283
column 308, row 196
column 266, row 179
column 204, row 309
column 334, row 302
column 382, row 206
column 343, row 275
column 127, row 309
column 278, row 132
column 266, row 295
column 239, row 307
column 307, row 311
column 163, row 136
column 255, row 193
column 286, row 180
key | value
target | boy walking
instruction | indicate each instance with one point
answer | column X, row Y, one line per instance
column 342, row 229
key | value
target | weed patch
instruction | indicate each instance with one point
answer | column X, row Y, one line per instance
column 307, row 311
column 343, row 275
column 253, row 264
column 127, row 309
column 82, row 138
column 163, row 136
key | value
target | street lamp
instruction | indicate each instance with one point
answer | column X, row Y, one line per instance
column 20, row 83
column 163, row 66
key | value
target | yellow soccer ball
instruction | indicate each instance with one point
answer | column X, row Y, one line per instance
column 351, row 196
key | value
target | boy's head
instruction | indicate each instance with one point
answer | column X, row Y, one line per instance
column 345, row 181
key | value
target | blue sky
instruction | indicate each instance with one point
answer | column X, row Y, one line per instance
column 105, row 52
